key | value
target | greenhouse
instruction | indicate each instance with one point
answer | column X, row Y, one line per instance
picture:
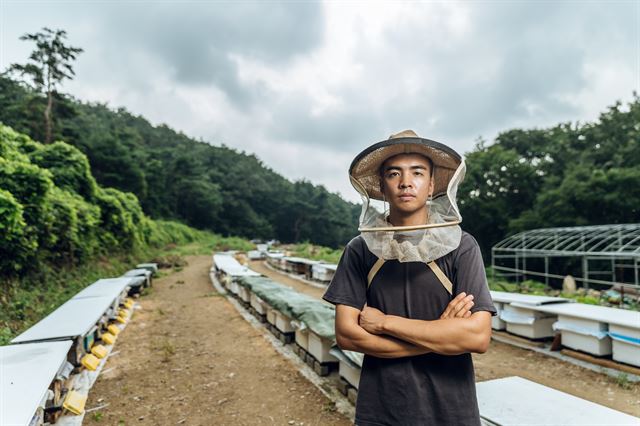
column 596, row 256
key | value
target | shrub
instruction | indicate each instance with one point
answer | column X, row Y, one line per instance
column 69, row 167
column 16, row 246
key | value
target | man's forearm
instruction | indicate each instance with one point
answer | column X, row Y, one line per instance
column 360, row 340
column 447, row 337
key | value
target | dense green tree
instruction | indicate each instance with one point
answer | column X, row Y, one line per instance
column 49, row 64
column 567, row 175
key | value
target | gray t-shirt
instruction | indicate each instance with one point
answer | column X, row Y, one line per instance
column 428, row 389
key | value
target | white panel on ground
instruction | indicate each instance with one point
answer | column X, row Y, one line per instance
column 230, row 266
column 300, row 260
column 74, row 318
column 517, row 401
column 323, row 271
column 26, row 371
column 505, row 297
column 623, row 317
column 137, row 272
column 106, row 287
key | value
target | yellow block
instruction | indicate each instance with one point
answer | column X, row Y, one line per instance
column 108, row 338
column 124, row 313
column 113, row 329
column 90, row 361
column 128, row 303
column 121, row 320
column 74, row 402
column 99, row 351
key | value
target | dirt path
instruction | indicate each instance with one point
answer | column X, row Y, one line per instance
column 502, row 360
column 189, row 358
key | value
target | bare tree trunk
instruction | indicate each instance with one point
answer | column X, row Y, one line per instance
column 47, row 117
column 47, row 111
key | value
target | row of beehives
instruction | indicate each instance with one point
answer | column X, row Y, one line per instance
column 309, row 269
column 295, row 318
column 281, row 308
column 597, row 330
column 47, row 371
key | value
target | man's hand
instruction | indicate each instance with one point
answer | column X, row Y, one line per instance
column 371, row 319
column 351, row 336
column 459, row 307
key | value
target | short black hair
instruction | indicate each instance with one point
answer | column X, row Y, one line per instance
column 381, row 170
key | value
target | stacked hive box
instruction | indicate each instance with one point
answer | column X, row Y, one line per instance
column 55, row 362
column 520, row 316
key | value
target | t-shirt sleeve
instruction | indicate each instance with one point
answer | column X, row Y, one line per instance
column 349, row 283
column 471, row 278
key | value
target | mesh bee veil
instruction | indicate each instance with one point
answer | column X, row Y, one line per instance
column 420, row 243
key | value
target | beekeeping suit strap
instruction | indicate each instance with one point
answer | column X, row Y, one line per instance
column 444, row 280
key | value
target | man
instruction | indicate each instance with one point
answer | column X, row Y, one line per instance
column 411, row 291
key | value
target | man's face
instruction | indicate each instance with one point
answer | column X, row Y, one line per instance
column 406, row 182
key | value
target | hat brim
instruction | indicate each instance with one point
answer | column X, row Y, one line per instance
column 365, row 168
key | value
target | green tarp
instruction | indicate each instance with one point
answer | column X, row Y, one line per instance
column 317, row 315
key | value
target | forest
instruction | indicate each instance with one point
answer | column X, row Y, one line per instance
column 179, row 178
column 566, row 175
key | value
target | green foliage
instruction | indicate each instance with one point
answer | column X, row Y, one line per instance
column 589, row 300
column 567, row 175
column 53, row 213
column 74, row 229
column 310, row 251
column 16, row 248
column 60, row 231
column 30, row 186
column 27, row 299
column 178, row 178
column 69, row 167
column 14, row 146
column 49, row 64
column 117, row 223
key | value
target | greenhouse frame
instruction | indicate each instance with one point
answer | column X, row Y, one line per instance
column 603, row 255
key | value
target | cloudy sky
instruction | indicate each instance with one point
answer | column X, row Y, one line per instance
column 307, row 85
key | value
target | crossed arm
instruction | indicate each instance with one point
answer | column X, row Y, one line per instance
column 372, row 332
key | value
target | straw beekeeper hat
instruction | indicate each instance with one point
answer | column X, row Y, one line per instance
column 364, row 171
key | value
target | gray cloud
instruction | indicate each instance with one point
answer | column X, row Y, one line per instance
column 195, row 41
column 452, row 72
column 513, row 67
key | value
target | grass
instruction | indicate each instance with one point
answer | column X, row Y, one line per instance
column 210, row 244
column 168, row 350
column 314, row 252
column 146, row 291
column 25, row 301
column 499, row 283
column 623, row 381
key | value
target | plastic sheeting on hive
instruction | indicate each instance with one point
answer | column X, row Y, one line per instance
column 319, row 317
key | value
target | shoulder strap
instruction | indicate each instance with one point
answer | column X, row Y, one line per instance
column 446, row 283
column 441, row 276
column 374, row 270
